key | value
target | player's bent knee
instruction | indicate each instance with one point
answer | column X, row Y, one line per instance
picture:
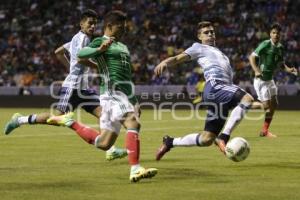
column 103, row 145
column 131, row 122
column 105, row 141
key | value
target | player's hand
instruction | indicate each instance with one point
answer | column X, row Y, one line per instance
column 294, row 71
column 160, row 68
column 257, row 74
column 105, row 45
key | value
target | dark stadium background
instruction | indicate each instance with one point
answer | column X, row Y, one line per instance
column 31, row 30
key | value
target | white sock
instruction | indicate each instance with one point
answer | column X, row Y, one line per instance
column 236, row 115
column 187, row 141
column 30, row 119
column 111, row 149
column 135, row 167
column 23, row 120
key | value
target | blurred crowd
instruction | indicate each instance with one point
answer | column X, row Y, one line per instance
column 32, row 29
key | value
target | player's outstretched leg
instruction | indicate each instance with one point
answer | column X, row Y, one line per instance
column 166, row 146
column 12, row 124
column 62, row 120
column 86, row 134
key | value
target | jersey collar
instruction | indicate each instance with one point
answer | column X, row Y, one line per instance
column 276, row 45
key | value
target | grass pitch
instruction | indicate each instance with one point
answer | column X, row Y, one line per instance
column 46, row 162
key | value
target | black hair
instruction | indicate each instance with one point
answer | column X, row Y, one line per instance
column 275, row 26
column 114, row 17
column 88, row 13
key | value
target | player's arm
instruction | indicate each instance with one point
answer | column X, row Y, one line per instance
column 258, row 52
column 254, row 66
column 61, row 56
column 172, row 61
column 89, row 52
column 291, row 70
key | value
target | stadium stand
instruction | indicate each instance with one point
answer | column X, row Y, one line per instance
column 31, row 30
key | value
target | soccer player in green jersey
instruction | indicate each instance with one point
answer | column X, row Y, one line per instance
column 270, row 53
column 75, row 92
column 117, row 97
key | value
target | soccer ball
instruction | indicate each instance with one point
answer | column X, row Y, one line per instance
column 237, row 149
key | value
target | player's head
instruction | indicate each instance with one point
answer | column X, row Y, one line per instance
column 206, row 33
column 115, row 23
column 275, row 31
column 88, row 21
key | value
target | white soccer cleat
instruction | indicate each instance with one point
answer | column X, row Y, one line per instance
column 116, row 153
column 141, row 172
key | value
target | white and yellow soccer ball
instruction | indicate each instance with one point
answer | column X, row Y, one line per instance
column 237, row 149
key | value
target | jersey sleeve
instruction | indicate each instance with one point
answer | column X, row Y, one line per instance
column 194, row 51
column 67, row 46
column 96, row 43
column 91, row 50
column 260, row 49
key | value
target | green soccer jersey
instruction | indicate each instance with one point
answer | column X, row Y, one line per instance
column 114, row 66
column 270, row 57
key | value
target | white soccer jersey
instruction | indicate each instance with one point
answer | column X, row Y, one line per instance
column 78, row 74
column 67, row 46
column 215, row 64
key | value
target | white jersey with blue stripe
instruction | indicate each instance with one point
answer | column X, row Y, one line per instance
column 215, row 64
column 78, row 74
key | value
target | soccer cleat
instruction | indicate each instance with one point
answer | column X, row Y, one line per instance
column 62, row 120
column 221, row 144
column 141, row 172
column 115, row 154
column 197, row 100
column 267, row 134
column 12, row 124
column 165, row 147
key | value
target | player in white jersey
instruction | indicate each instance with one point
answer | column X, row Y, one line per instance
column 220, row 95
column 75, row 91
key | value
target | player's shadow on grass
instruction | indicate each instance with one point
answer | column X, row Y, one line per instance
column 188, row 174
column 279, row 165
column 152, row 160
column 17, row 186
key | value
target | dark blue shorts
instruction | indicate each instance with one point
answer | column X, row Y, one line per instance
column 70, row 99
column 219, row 98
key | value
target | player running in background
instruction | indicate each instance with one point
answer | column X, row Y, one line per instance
column 116, row 95
column 220, row 94
column 75, row 90
column 270, row 53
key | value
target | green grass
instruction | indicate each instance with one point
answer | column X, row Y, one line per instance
column 46, row 162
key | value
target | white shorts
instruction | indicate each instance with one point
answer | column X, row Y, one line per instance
column 265, row 89
column 114, row 107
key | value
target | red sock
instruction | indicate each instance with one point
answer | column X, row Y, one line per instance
column 133, row 147
column 266, row 125
column 86, row 133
